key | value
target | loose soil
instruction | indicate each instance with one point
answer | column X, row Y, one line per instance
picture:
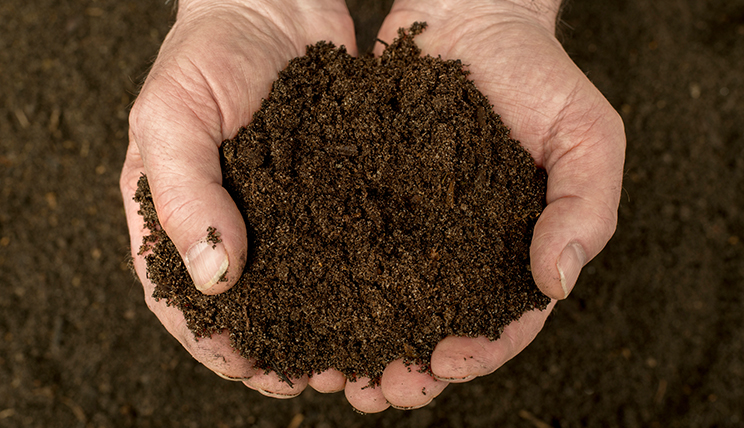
column 387, row 208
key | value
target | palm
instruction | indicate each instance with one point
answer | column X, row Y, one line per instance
column 520, row 67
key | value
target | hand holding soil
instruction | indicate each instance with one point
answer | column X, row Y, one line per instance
column 561, row 119
column 213, row 69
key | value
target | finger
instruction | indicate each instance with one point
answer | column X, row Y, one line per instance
column 207, row 82
column 406, row 387
column 364, row 397
column 584, row 168
column 271, row 385
column 460, row 359
column 182, row 164
column 327, row 381
column 215, row 353
column 338, row 25
column 399, row 17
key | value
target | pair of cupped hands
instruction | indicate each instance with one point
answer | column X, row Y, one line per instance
column 218, row 61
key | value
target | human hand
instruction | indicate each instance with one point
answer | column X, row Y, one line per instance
column 567, row 126
column 214, row 67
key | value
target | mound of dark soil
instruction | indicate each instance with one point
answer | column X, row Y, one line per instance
column 387, row 208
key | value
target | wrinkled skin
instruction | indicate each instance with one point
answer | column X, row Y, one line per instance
column 218, row 61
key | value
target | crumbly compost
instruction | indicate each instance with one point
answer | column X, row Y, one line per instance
column 387, row 208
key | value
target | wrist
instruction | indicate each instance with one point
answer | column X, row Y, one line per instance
column 544, row 11
column 296, row 5
column 541, row 12
column 303, row 21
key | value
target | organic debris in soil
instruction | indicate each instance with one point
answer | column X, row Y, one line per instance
column 387, row 208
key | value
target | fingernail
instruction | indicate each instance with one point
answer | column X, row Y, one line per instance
column 230, row 378
column 467, row 378
column 569, row 266
column 206, row 262
column 418, row 406
column 276, row 394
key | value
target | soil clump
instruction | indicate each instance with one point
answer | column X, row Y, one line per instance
column 387, row 208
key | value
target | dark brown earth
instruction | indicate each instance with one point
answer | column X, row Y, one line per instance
column 651, row 336
column 387, row 208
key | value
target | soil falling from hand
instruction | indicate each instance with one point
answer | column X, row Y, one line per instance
column 387, row 208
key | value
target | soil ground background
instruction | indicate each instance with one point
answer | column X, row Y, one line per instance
column 651, row 336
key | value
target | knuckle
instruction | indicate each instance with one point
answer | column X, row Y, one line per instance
column 174, row 211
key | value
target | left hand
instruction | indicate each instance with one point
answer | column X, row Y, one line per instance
column 567, row 126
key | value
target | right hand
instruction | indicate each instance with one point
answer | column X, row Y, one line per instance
column 567, row 126
column 214, row 67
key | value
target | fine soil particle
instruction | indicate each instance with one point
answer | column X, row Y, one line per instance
column 387, row 208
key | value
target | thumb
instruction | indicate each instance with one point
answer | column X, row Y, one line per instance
column 584, row 182
column 183, row 170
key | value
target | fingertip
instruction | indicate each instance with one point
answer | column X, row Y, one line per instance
column 569, row 265
column 208, row 230
column 271, row 385
column 567, row 235
column 207, row 263
column 364, row 396
column 328, row 381
column 461, row 359
column 406, row 386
